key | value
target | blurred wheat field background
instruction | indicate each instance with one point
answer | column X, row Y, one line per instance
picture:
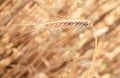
column 59, row 51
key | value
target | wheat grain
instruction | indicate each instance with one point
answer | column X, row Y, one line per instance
column 67, row 23
column 62, row 24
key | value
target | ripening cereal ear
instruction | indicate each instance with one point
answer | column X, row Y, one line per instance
column 81, row 24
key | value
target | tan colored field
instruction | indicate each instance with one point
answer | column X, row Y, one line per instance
column 59, row 38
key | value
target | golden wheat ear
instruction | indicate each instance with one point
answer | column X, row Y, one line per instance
column 54, row 25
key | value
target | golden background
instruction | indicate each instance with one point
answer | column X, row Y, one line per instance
column 26, row 51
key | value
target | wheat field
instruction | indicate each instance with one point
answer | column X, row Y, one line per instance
column 59, row 38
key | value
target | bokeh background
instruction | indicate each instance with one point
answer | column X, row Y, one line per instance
column 26, row 51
